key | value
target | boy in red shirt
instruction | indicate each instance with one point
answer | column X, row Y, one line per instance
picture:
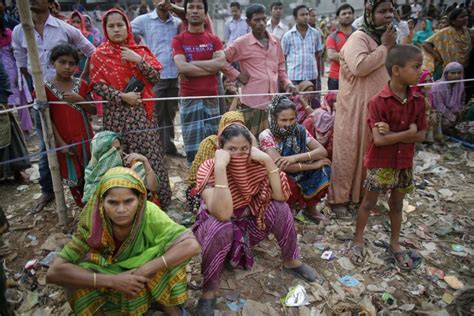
column 397, row 120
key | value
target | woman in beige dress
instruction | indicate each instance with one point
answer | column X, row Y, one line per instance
column 362, row 75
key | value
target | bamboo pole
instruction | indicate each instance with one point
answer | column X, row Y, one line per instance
column 28, row 28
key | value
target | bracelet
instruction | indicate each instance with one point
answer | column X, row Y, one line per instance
column 95, row 280
column 274, row 171
column 299, row 164
column 164, row 262
column 309, row 155
column 220, row 186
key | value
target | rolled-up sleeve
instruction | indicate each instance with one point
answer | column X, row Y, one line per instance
column 80, row 41
column 19, row 51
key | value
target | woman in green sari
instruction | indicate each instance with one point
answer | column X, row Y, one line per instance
column 125, row 254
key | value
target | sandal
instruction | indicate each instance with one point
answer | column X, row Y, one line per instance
column 402, row 259
column 43, row 202
column 358, row 255
column 205, row 307
column 303, row 272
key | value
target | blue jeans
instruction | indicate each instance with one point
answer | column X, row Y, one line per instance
column 46, row 182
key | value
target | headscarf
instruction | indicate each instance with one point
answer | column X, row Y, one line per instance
column 93, row 247
column 288, row 134
column 449, row 97
column 108, row 68
column 424, row 78
column 104, row 157
column 368, row 26
column 248, row 183
column 94, row 31
column 208, row 147
column 83, row 28
column 421, row 36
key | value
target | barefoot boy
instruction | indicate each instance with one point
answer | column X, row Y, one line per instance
column 397, row 120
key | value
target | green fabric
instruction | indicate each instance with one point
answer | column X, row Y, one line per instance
column 92, row 247
column 104, row 157
column 421, row 36
column 469, row 116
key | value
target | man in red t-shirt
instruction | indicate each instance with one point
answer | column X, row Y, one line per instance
column 337, row 39
column 198, row 56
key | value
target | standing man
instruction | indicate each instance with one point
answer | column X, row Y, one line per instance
column 337, row 39
column 158, row 28
column 49, row 32
column 302, row 47
column 275, row 26
column 416, row 10
column 262, row 68
column 237, row 26
column 199, row 56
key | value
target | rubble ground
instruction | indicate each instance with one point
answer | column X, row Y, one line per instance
column 437, row 222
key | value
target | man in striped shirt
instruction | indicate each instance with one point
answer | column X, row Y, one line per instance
column 302, row 46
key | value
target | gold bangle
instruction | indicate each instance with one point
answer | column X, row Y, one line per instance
column 299, row 164
column 95, row 280
column 220, row 186
column 309, row 155
column 164, row 261
column 274, row 171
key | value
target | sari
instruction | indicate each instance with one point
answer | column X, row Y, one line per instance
column 421, row 36
column 93, row 248
column 87, row 34
column 72, row 123
column 104, row 157
column 453, row 46
column 449, row 98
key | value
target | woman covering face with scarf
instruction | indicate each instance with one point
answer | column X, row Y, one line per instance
column 362, row 75
column 297, row 153
column 243, row 201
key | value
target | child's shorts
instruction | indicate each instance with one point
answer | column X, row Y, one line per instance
column 381, row 180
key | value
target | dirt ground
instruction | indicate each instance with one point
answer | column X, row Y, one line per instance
column 438, row 223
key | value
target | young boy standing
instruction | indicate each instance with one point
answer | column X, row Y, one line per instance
column 397, row 120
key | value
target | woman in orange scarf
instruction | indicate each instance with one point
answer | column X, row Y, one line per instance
column 123, row 73
column 243, row 194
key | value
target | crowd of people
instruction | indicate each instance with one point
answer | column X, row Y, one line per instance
column 255, row 160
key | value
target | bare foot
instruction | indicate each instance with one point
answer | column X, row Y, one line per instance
column 44, row 200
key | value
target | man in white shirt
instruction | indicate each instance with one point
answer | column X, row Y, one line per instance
column 49, row 32
column 275, row 26
column 416, row 9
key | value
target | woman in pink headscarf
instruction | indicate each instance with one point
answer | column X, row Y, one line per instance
column 449, row 97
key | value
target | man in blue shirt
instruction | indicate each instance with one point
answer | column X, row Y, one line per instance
column 158, row 28
column 236, row 26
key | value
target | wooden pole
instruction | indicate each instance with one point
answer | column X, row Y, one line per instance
column 28, row 29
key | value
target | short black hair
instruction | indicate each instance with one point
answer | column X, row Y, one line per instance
column 185, row 5
column 254, row 9
column 276, row 4
column 235, row 4
column 399, row 55
column 234, row 130
column 297, row 8
column 344, row 6
column 63, row 50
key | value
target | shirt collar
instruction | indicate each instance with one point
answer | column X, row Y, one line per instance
column 310, row 29
column 280, row 25
column 241, row 19
column 254, row 40
column 388, row 93
column 52, row 21
column 154, row 15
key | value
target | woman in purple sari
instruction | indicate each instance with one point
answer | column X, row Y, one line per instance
column 20, row 93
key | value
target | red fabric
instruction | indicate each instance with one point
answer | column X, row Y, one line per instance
column 108, row 68
column 308, row 123
column 7, row 39
column 336, row 45
column 197, row 46
column 83, row 28
column 386, row 107
column 248, row 183
column 70, row 125
column 296, row 197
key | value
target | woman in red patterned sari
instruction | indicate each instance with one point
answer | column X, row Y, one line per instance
column 115, row 65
